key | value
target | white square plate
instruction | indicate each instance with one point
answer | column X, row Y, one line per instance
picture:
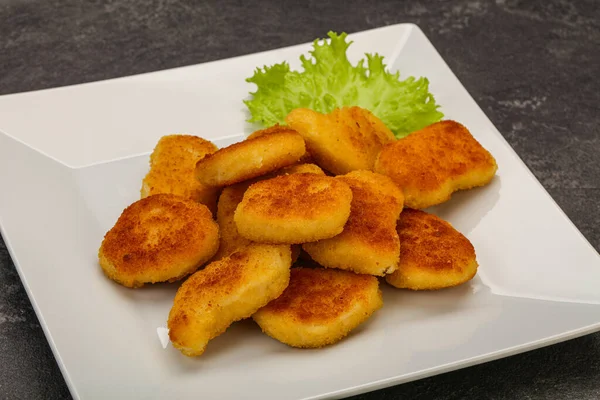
column 72, row 158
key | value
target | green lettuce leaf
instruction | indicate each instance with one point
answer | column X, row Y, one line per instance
column 328, row 80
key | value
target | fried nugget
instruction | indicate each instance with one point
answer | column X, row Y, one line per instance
column 270, row 130
column 229, row 199
column 250, row 158
column 369, row 243
column 430, row 164
column 296, row 208
column 172, row 166
column 231, row 240
column 320, row 307
column 159, row 238
column 304, row 168
column 226, row 291
column 434, row 255
column 305, row 159
column 344, row 140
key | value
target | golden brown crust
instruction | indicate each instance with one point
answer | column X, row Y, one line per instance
column 277, row 128
column 172, row 166
column 159, row 238
column 300, row 168
column 296, row 208
column 344, row 140
column 430, row 164
column 369, row 243
column 250, row 158
column 434, row 255
column 320, row 295
column 304, row 195
column 231, row 240
column 320, row 307
column 232, row 195
column 226, row 291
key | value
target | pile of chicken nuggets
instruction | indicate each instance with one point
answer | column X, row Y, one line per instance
column 297, row 225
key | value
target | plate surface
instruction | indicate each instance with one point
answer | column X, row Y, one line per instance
column 74, row 157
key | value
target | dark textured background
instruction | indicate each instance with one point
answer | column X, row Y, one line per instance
column 531, row 65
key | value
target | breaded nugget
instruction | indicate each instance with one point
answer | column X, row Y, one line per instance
column 434, row 255
column 296, row 208
column 430, row 164
column 270, row 130
column 369, row 243
column 231, row 240
column 303, row 168
column 345, row 140
column 229, row 199
column 305, row 159
column 172, row 166
column 250, row 158
column 159, row 238
column 226, row 291
column 320, row 307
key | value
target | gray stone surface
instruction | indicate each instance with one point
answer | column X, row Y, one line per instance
column 531, row 65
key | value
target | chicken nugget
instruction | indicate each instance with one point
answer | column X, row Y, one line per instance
column 320, row 307
column 231, row 240
column 305, row 159
column 434, row 255
column 159, row 238
column 431, row 164
column 229, row 199
column 226, row 291
column 369, row 243
column 302, row 168
column 270, row 130
column 250, row 158
column 292, row 209
column 172, row 166
column 344, row 140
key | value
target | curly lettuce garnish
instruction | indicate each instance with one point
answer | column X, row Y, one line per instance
column 328, row 81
